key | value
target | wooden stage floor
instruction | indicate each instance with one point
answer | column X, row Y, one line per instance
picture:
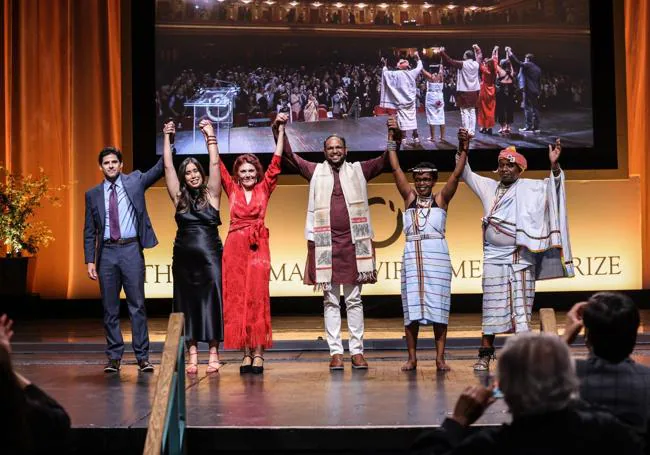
column 297, row 403
column 285, row 328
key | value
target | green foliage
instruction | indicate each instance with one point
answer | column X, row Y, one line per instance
column 20, row 196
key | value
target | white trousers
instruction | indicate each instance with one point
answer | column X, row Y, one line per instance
column 468, row 119
column 354, row 308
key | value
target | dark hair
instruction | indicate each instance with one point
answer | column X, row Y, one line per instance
column 427, row 164
column 341, row 138
column 468, row 54
column 530, row 57
column 196, row 197
column 13, row 419
column 109, row 151
column 250, row 159
column 611, row 322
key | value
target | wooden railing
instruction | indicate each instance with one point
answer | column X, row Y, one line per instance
column 166, row 430
column 547, row 320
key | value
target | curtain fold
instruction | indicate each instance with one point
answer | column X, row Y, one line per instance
column 62, row 87
column 638, row 109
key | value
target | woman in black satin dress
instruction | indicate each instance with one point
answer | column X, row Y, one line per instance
column 196, row 264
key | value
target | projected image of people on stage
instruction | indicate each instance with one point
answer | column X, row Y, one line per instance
column 528, row 87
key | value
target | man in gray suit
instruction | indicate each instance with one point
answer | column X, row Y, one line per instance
column 116, row 229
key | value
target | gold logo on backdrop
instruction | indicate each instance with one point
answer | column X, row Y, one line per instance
column 399, row 224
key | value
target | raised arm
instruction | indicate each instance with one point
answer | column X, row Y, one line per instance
column 279, row 143
column 152, row 175
column 394, row 139
column 448, row 60
column 483, row 187
column 478, row 54
column 171, row 177
column 304, row 167
column 512, row 57
column 554, row 156
column 443, row 198
column 214, row 172
column 273, row 171
column 415, row 72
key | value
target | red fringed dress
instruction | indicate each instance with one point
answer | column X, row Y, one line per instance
column 246, row 265
column 487, row 95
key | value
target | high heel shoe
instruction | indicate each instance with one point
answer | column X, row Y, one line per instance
column 192, row 363
column 257, row 369
column 245, row 368
column 213, row 365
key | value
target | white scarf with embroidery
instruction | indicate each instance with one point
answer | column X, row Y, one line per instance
column 318, row 226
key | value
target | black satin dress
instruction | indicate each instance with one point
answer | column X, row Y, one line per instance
column 196, row 267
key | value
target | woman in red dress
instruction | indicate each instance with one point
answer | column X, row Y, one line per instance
column 487, row 95
column 246, row 265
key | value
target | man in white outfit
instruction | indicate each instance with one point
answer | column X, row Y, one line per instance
column 399, row 91
column 468, row 85
column 525, row 239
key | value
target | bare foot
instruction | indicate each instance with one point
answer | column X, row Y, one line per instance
column 441, row 365
column 410, row 365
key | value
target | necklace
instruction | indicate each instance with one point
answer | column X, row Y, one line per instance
column 422, row 217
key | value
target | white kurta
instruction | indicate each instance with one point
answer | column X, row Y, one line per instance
column 525, row 238
column 399, row 91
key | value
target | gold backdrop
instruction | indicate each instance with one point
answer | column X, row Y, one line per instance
column 605, row 241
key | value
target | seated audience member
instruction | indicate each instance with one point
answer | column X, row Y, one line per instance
column 539, row 384
column 31, row 422
column 609, row 378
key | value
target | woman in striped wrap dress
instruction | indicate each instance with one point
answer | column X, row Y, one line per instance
column 426, row 267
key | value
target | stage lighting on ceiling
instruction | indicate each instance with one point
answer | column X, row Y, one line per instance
column 339, row 4
column 383, row 5
column 452, row 6
column 426, row 5
column 293, row 3
column 361, row 5
column 317, row 4
column 472, row 8
column 404, row 5
column 270, row 2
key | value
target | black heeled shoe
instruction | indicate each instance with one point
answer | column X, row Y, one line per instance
column 256, row 369
column 244, row 369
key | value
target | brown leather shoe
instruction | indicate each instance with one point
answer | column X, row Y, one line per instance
column 359, row 362
column 337, row 362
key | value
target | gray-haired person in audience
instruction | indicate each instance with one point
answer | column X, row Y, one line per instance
column 609, row 377
column 537, row 377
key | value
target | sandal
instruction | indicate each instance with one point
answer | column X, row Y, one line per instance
column 213, row 365
column 484, row 357
column 258, row 369
column 192, row 363
column 246, row 367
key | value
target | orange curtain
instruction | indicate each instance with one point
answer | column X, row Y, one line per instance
column 62, row 96
column 638, row 108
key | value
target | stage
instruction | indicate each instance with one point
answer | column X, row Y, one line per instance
column 369, row 134
column 297, row 405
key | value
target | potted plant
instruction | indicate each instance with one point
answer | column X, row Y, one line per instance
column 20, row 235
